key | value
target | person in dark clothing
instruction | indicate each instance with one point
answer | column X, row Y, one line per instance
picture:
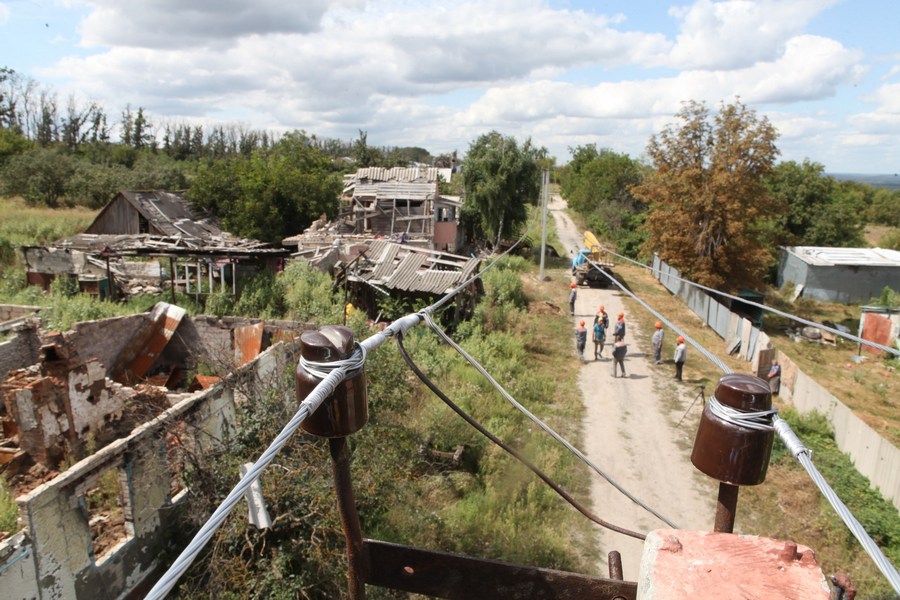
column 599, row 338
column 619, row 328
column 620, row 349
column 581, row 340
column 680, row 356
column 572, row 295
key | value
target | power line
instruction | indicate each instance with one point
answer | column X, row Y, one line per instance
column 773, row 310
column 440, row 332
column 546, row 479
column 800, row 453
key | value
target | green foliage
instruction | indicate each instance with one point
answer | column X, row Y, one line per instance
column 501, row 180
column 273, row 193
column 889, row 297
column 308, row 296
column 9, row 512
column 818, row 209
column 883, row 207
column 597, row 185
column 38, row 175
column 890, row 240
column 877, row 516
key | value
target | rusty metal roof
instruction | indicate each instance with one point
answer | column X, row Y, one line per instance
column 411, row 269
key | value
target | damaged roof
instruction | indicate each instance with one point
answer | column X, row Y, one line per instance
column 168, row 212
column 151, row 245
column 425, row 174
column 391, row 266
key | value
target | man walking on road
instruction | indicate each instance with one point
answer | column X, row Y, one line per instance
column 680, row 356
column 572, row 295
column 619, row 329
column 658, row 342
column 599, row 338
column 620, row 349
column 581, row 340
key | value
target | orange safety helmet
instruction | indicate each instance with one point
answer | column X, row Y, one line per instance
column 582, row 323
column 680, row 340
column 573, row 284
column 621, row 315
column 658, row 325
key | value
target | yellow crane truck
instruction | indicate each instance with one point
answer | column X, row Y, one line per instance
column 588, row 267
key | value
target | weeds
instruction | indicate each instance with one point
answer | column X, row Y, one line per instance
column 9, row 511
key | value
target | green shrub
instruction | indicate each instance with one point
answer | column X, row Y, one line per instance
column 9, row 512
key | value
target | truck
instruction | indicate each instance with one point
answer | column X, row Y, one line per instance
column 588, row 267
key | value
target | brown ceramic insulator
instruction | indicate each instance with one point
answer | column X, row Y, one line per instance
column 346, row 410
column 731, row 453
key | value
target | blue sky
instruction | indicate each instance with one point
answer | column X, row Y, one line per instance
column 437, row 74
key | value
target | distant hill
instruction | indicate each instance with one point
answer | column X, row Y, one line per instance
column 891, row 182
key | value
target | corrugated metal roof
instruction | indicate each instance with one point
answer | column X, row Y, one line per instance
column 411, row 269
column 872, row 257
column 428, row 174
column 400, row 190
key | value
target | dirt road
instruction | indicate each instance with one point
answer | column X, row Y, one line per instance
column 630, row 429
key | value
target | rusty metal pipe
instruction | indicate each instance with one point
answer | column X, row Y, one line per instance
column 340, row 459
column 615, row 565
column 726, row 507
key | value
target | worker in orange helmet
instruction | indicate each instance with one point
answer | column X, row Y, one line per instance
column 602, row 317
column 680, row 356
column 658, row 342
column 581, row 340
column 619, row 329
column 572, row 295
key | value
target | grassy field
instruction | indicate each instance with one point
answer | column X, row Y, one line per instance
column 21, row 224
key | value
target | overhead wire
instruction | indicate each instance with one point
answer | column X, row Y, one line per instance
column 429, row 320
column 509, row 449
column 770, row 309
column 336, row 374
column 802, row 454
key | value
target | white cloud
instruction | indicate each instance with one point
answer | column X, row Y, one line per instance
column 180, row 24
column 4, row 13
column 738, row 33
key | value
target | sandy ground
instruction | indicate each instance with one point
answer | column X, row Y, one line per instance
column 630, row 429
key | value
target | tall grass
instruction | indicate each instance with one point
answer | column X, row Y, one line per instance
column 9, row 512
column 21, row 224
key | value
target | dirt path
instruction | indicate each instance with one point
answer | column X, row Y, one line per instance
column 630, row 429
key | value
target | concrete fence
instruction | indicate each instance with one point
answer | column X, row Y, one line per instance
column 873, row 456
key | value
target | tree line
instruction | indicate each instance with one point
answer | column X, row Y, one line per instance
column 712, row 201
column 709, row 197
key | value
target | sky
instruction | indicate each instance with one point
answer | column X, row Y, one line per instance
column 438, row 74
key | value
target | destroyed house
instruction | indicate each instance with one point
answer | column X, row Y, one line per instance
column 401, row 204
column 115, row 254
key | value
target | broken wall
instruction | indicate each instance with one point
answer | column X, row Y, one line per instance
column 60, row 552
column 104, row 339
column 19, row 351
column 15, row 311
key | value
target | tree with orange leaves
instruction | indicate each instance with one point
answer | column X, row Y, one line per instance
column 707, row 200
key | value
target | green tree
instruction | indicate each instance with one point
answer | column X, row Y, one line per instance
column 819, row 211
column 707, row 195
column 271, row 195
column 39, row 175
column 598, row 187
column 500, row 180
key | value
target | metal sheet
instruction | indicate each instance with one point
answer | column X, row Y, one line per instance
column 248, row 342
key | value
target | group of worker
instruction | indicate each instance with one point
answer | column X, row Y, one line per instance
column 619, row 347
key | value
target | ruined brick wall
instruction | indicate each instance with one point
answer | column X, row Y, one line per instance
column 14, row 311
column 104, row 339
column 61, row 558
column 20, row 351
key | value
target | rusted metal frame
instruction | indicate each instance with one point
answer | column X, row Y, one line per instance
column 454, row 576
column 356, row 557
column 726, row 507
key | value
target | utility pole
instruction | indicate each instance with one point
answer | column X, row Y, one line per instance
column 545, row 195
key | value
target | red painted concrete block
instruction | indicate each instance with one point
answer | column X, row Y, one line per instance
column 679, row 564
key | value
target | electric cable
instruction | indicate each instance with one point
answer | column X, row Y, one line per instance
column 515, row 453
column 323, row 389
column 771, row 309
column 800, row 453
column 471, row 360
